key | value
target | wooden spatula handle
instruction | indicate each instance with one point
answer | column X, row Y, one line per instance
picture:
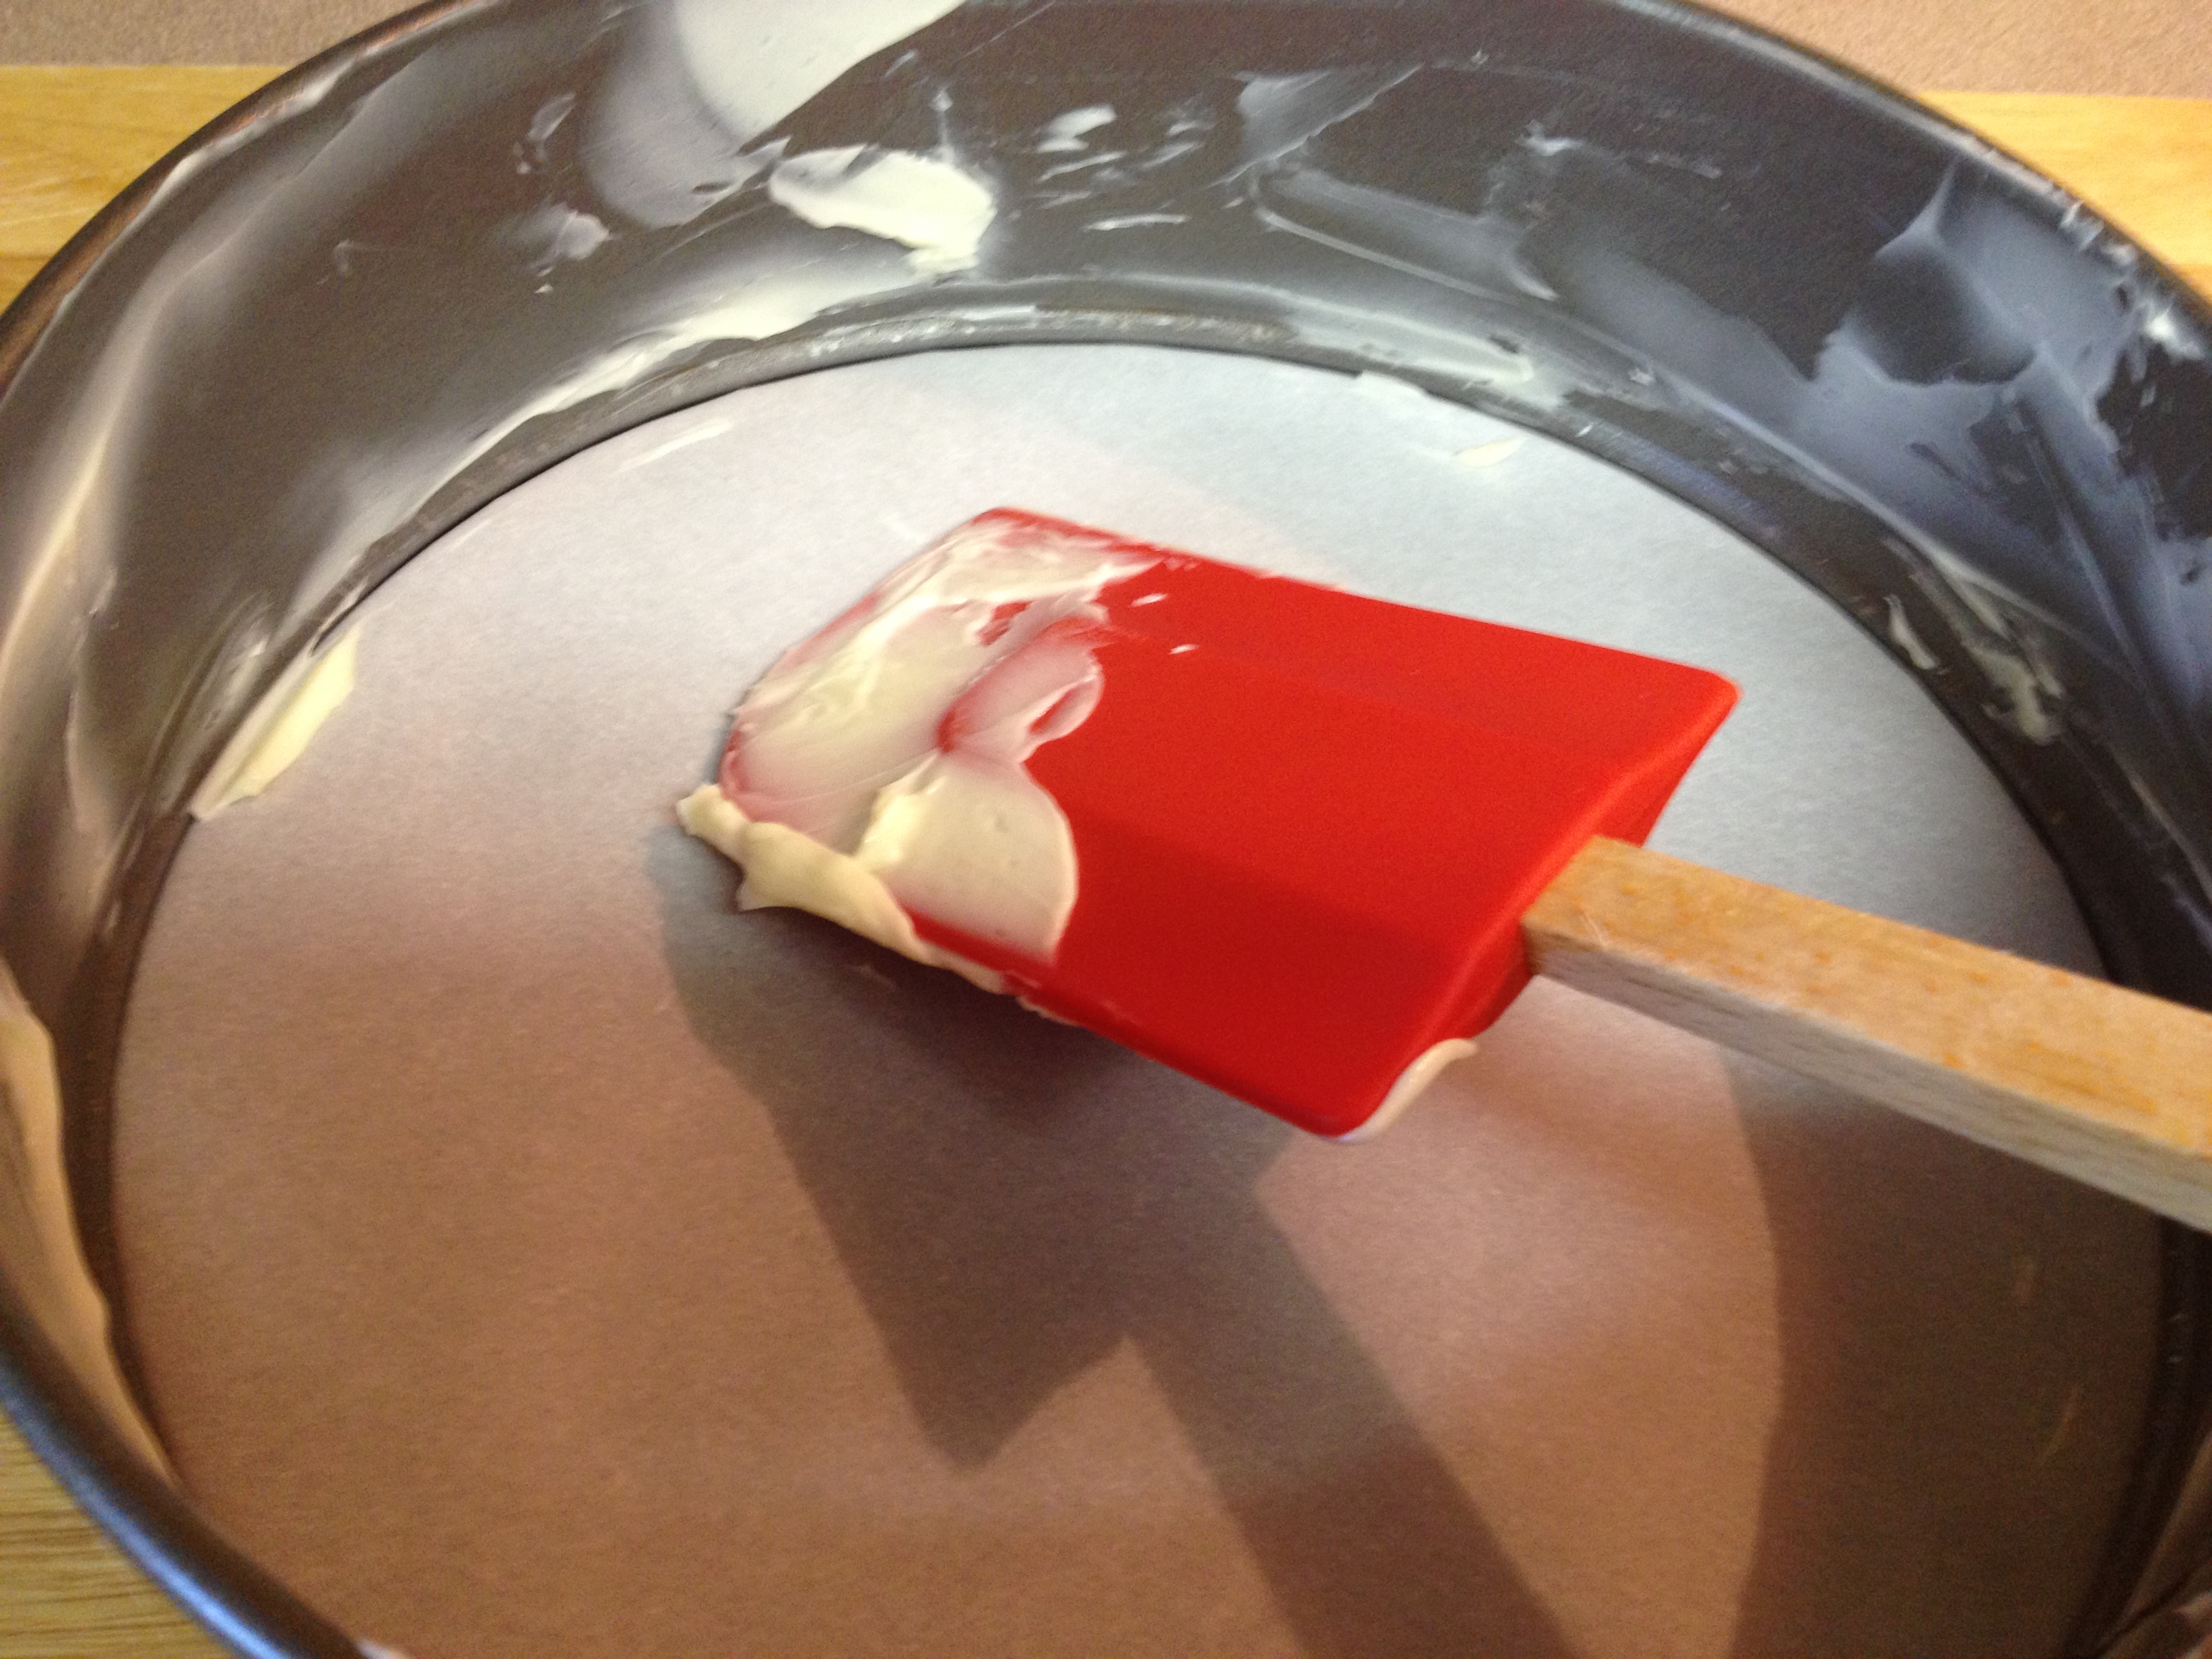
column 2108, row 1086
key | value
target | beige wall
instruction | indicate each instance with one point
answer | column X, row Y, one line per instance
column 2156, row 46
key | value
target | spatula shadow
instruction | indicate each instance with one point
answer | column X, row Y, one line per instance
column 1014, row 1200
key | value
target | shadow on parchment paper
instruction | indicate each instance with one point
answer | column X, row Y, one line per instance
column 1014, row 1199
column 1956, row 1418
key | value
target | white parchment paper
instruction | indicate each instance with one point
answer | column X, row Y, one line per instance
column 529, row 1254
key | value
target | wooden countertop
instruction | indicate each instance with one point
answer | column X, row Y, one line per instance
column 71, row 137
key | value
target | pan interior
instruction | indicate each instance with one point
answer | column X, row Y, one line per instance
column 526, row 1252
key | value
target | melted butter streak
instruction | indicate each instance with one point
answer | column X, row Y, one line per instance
column 38, row 1230
column 936, row 209
column 278, row 731
column 881, row 762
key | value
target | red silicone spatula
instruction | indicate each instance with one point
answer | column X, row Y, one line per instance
column 1304, row 846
